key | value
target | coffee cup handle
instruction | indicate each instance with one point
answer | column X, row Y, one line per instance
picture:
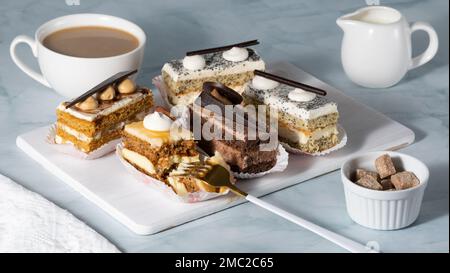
column 433, row 45
column 25, row 68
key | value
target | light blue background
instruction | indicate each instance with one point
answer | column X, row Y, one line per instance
column 301, row 32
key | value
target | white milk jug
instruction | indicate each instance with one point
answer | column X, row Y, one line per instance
column 376, row 49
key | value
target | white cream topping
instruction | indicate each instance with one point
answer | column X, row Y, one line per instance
column 278, row 99
column 301, row 95
column 236, row 54
column 114, row 107
column 195, row 62
column 210, row 70
column 303, row 113
column 264, row 83
column 157, row 121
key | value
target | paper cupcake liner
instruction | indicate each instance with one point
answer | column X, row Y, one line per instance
column 342, row 134
column 71, row 150
column 281, row 165
column 162, row 187
column 282, row 155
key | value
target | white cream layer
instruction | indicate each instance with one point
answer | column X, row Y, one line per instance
column 84, row 138
column 236, row 68
column 114, row 107
column 139, row 160
column 298, row 136
column 78, row 135
column 145, row 164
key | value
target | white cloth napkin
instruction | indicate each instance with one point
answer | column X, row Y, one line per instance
column 31, row 223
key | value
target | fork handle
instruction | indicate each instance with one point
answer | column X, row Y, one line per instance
column 340, row 240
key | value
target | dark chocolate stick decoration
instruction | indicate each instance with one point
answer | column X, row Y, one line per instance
column 101, row 86
column 164, row 111
column 222, row 48
column 292, row 83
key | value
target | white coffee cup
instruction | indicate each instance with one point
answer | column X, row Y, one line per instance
column 73, row 76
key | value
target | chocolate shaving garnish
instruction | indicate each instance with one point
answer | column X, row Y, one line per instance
column 223, row 93
column 222, row 48
column 292, row 83
column 218, row 96
column 207, row 98
column 164, row 111
column 102, row 86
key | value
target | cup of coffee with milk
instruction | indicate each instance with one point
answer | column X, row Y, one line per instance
column 376, row 48
column 77, row 52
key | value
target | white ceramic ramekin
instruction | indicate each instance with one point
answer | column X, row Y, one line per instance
column 383, row 210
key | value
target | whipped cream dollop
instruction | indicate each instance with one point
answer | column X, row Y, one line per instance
column 157, row 122
column 195, row 62
column 264, row 83
column 300, row 95
column 236, row 54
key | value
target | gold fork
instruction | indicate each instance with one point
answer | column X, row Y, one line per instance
column 217, row 176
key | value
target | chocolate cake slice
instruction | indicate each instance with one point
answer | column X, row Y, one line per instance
column 244, row 150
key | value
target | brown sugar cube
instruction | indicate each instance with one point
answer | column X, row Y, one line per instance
column 360, row 173
column 385, row 166
column 370, row 183
column 387, row 184
column 404, row 180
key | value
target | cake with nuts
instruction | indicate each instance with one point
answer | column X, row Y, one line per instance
column 306, row 120
column 98, row 117
column 231, row 65
column 161, row 148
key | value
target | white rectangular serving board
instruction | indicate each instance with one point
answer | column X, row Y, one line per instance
column 106, row 183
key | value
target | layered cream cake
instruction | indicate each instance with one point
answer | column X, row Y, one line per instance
column 100, row 118
column 160, row 149
column 243, row 150
column 306, row 121
column 184, row 78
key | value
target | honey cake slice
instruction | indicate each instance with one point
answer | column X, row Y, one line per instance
column 100, row 118
column 160, row 148
column 156, row 151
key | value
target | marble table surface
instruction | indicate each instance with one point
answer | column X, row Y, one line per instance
column 300, row 32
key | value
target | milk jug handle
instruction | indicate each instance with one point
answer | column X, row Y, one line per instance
column 433, row 45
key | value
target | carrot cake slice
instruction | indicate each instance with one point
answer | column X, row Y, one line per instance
column 231, row 65
column 306, row 121
column 160, row 148
column 100, row 118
